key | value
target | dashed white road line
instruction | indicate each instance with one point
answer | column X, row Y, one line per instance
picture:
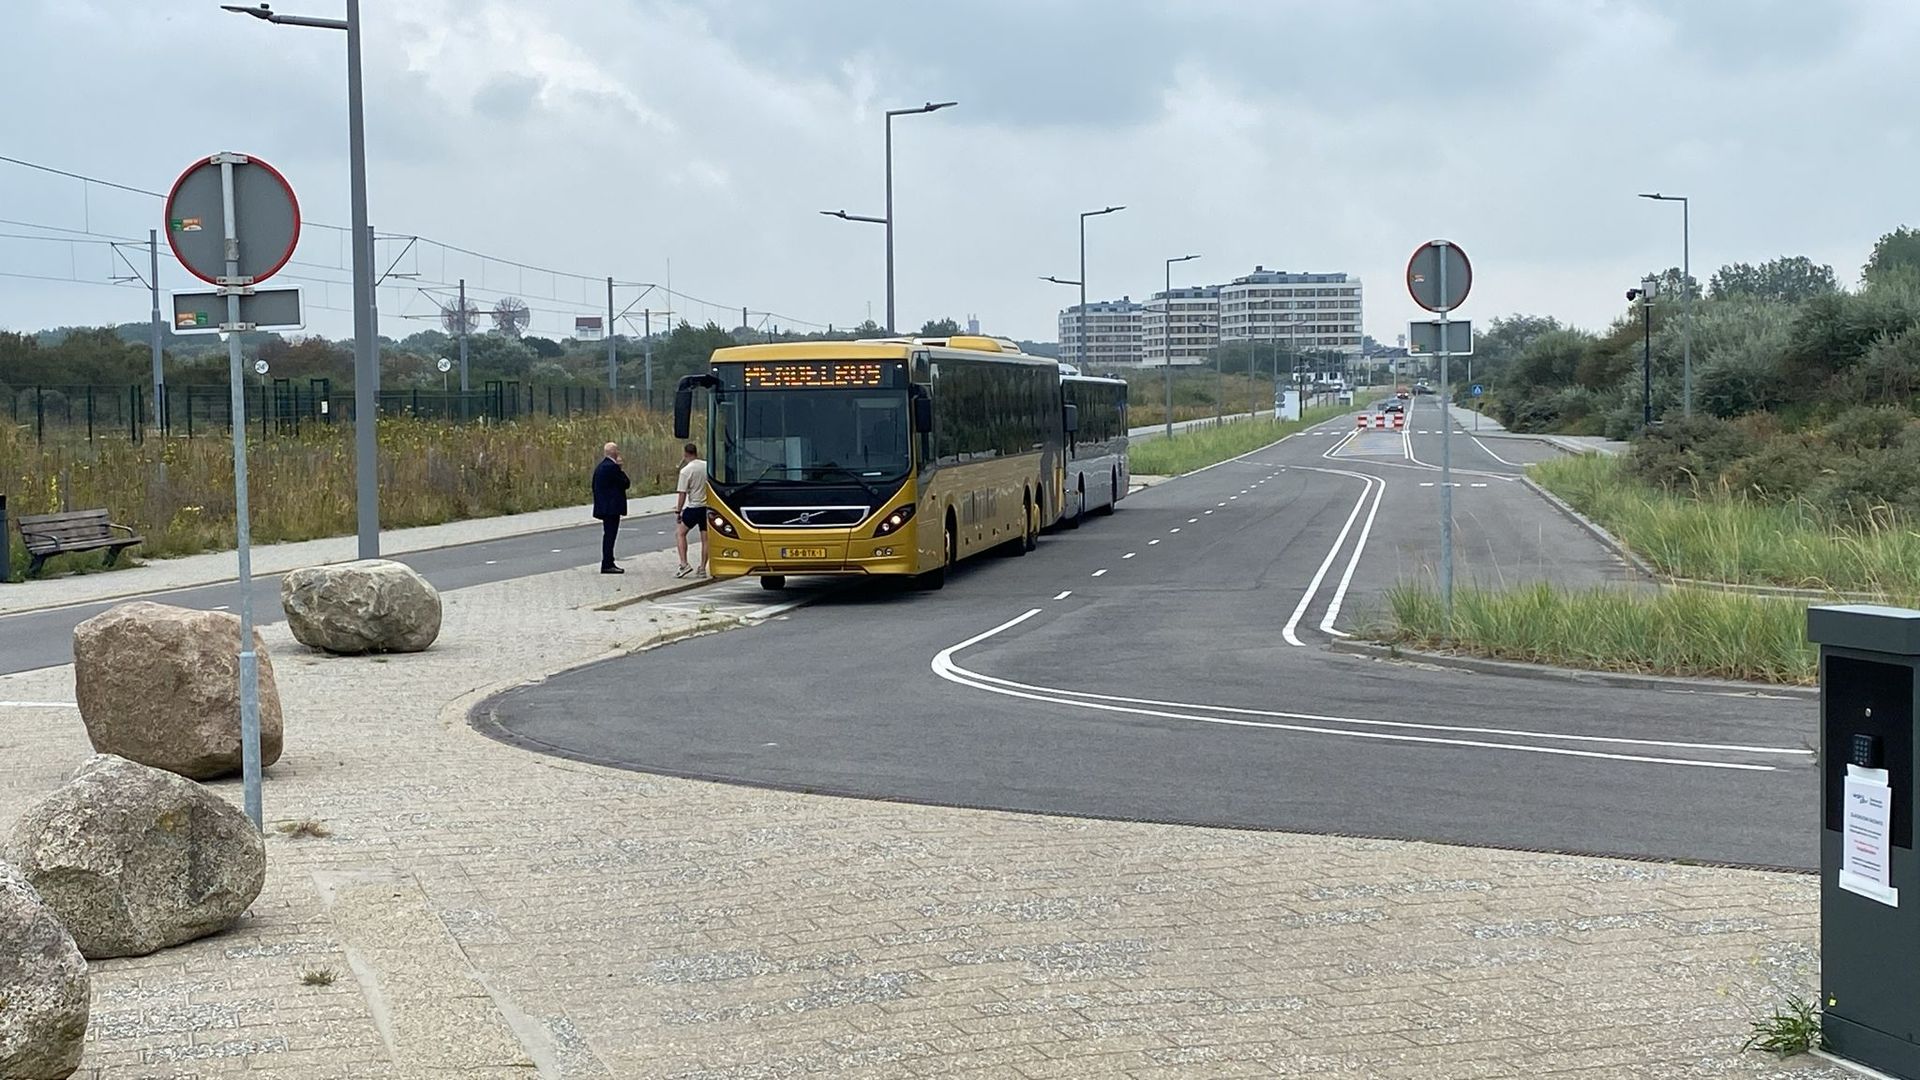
column 1064, row 593
column 1152, row 542
column 39, row 705
column 1128, row 555
column 1099, row 572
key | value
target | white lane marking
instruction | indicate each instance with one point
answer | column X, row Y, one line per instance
column 1128, row 555
column 1476, row 485
column 1192, row 520
column 1346, row 579
column 943, row 665
column 1222, row 504
column 1064, row 593
column 1494, row 456
column 1230, row 497
column 491, row 562
column 223, row 607
column 556, row 551
column 1099, row 572
column 1152, row 542
column 1306, row 598
column 1426, row 483
column 39, row 704
column 1176, row 528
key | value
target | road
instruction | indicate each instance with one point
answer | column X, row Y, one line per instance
column 37, row 639
column 1169, row 663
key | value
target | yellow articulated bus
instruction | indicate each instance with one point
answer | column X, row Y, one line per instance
column 891, row 457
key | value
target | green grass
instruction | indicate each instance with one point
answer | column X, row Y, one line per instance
column 1677, row 631
column 1199, row 447
column 302, row 487
column 1720, row 536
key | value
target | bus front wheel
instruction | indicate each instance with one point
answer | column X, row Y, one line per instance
column 934, row 579
column 773, row 581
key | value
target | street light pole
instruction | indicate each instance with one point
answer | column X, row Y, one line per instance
column 1686, row 296
column 887, row 220
column 1166, row 337
column 366, row 369
column 1644, row 294
column 1082, row 358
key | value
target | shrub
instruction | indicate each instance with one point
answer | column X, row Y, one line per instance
column 1683, row 453
column 1781, row 469
column 1866, row 428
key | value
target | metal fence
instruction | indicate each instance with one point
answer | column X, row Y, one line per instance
column 282, row 406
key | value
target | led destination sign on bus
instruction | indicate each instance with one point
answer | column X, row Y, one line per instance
column 812, row 373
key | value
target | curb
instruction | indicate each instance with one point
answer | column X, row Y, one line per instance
column 1607, row 539
column 1516, row 669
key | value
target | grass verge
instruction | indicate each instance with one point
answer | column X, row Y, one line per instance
column 1679, row 631
column 300, row 487
column 1196, row 448
column 1718, row 536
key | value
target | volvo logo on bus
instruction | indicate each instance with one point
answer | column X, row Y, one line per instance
column 802, row 519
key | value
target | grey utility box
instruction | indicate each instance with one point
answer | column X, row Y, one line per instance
column 1869, row 879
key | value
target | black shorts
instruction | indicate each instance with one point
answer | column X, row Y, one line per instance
column 694, row 517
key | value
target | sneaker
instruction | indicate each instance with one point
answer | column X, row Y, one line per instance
column 611, row 570
column 702, row 573
column 683, row 571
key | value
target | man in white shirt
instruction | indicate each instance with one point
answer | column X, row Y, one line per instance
column 690, row 509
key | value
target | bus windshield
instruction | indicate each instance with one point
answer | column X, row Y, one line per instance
column 833, row 436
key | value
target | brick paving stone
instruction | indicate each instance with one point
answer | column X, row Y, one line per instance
column 542, row 917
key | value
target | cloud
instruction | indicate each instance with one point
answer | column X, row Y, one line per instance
column 611, row 137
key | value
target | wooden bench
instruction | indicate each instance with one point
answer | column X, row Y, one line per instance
column 47, row 535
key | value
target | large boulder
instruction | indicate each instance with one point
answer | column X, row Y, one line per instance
column 134, row 859
column 160, row 685
column 43, row 987
column 360, row 607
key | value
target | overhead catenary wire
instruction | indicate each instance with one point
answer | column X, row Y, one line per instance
column 413, row 241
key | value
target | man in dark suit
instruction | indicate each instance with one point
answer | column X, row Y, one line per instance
column 610, row 485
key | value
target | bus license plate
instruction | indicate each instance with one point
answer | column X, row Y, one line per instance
column 803, row 553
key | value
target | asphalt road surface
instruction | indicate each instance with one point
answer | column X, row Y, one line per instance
column 1169, row 663
column 37, row 639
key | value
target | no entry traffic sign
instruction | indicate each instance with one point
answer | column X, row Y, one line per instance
column 266, row 219
column 1434, row 262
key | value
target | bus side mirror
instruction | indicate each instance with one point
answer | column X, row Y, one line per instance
column 683, row 402
column 922, row 412
column 1070, row 417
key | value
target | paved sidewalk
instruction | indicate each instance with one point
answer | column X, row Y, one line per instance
column 1575, row 444
column 488, row 913
column 215, row 567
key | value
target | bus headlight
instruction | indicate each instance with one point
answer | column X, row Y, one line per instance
column 892, row 522
column 720, row 524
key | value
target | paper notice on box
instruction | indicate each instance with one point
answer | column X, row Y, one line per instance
column 1866, row 836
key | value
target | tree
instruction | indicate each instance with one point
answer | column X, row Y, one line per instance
column 940, row 328
column 1787, row 280
column 1899, row 249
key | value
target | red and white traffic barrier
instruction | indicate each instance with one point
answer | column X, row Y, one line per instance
column 1360, row 422
column 1380, row 421
column 1399, row 421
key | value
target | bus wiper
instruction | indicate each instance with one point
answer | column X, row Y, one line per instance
column 765, row 475
column 850, row 474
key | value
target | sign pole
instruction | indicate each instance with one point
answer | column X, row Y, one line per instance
column 1446, row 454
column 249, row 661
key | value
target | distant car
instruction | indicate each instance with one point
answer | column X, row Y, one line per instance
column 1404, row 396
column 1396, row 406
column 1423, row 388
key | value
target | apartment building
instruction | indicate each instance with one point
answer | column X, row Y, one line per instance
column 1185, row 321
column 1300, row 311
column 1113, row 333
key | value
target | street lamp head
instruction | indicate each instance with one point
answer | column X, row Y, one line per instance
column 261, row 11
column 1183, row 258
column 936, row 106
column 834, row 213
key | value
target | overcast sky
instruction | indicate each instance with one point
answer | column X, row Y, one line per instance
column 616, row 137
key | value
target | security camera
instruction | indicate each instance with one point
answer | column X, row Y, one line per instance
column 1633, row 294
